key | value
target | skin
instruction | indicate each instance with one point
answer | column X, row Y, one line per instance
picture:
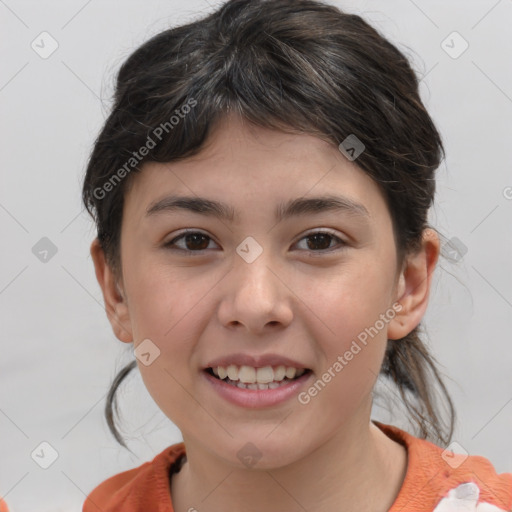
column 213, row 303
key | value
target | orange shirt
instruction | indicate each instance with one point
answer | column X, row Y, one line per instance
column 434, row 482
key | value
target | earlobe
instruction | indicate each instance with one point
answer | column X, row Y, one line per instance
column 413, row 287
column 114, row 297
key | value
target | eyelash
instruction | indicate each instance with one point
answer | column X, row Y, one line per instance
column 171, row 244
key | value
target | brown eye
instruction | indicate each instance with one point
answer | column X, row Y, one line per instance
column 194, row 241
column 321, row 241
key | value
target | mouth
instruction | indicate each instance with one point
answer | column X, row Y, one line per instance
column 267, row 377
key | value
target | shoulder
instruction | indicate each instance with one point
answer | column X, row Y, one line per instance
column 439, row 480
column 132, row 490
column 3, row 506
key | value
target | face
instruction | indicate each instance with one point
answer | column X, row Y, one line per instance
column 310, row 286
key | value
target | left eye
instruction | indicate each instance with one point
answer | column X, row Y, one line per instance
column 322, row 240
column 195, row 241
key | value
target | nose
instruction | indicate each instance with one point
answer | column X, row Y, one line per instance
column 256, row 296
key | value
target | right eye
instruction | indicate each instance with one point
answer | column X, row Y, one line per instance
column 194, row 242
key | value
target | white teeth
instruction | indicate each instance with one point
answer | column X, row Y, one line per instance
column 257, row 376
column 279, row 373
column 232, row 372
column 246, row 374
column 270, row 385
column 290, row 372
column 264, row 375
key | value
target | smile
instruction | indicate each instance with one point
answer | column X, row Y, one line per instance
column 256, row 387
column 248, row 377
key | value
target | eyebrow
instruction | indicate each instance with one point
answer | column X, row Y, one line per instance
column 294, row 207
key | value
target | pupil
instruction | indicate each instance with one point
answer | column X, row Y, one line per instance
column 196, row 238
column 322, row 237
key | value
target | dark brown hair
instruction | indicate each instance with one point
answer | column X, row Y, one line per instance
column 297, row 66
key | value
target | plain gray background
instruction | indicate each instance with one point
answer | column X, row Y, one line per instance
column 59, row 354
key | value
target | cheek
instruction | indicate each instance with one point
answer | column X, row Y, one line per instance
column 350, row 297
column 347, row 310
column 164, row 303
column 167, row 310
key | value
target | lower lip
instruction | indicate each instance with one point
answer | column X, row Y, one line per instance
column 257, row 398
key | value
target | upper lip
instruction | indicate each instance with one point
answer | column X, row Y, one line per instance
column 257, row 361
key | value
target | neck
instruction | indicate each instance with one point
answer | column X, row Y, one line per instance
column 359, row 467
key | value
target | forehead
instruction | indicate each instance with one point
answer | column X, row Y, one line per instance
column 247, row 167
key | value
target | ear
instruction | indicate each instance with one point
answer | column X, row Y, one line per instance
column 413, row 286
column 116, row 305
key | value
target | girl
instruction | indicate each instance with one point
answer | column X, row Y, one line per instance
column 261, row 191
